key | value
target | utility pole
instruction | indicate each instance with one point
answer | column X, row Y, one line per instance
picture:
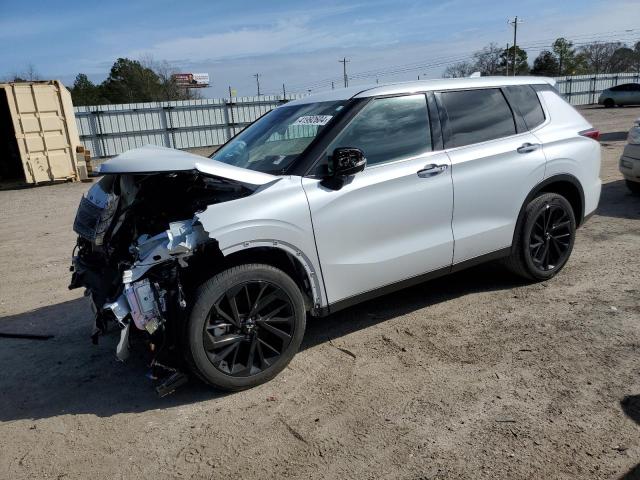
column 332, row 86
column 344, row 62
column 257, row 75
column 284, row 92
column 515, row 23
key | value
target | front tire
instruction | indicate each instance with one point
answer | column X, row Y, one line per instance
column 634, row 187
column 246, row 325
column 544, row 238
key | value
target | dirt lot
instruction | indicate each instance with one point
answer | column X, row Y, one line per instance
column 473, row 376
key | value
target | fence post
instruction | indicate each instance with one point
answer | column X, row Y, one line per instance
column 592, row 90
column 167, row 123
column 228, row 118
column 99, row 134
column 569, row 92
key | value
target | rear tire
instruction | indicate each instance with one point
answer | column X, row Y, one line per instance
column 633, row 186
column 246, row 325
column 544, row 238
column 609, row 103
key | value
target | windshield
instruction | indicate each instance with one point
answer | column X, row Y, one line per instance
column 274, row 141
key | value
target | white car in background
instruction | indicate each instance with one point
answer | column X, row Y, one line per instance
column 630, row 160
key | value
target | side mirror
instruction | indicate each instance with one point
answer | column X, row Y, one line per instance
column 347, row 161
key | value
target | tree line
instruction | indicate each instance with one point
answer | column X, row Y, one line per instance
column 130, row 81
column 564, row 58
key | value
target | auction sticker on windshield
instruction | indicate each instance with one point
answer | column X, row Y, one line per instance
column 313, row 120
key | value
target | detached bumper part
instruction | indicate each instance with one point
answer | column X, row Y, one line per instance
column 122, row 350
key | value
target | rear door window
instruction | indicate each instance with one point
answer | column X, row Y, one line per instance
column 476, row 116
column 527, row 102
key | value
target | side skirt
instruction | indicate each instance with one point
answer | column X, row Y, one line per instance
column 409, row 282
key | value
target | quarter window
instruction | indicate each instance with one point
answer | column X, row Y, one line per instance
column 388, row 129
column 477, row 116
column 527, row 102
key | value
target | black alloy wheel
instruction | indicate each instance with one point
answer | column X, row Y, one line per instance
column 551, row 237
column 543, row 238
column 245, row 326
column 249, row 327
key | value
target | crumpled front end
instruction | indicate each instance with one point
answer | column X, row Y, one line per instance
column 140, row 254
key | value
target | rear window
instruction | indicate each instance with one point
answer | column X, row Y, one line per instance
column 527, row 102
column 477, row 116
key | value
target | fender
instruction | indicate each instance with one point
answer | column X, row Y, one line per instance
column 296, row 253
column 276, row 215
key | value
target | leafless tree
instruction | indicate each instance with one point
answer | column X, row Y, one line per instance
column 597, row 56
column 488, row 60
column 458, row 70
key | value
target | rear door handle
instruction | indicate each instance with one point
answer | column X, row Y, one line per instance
column 431, row 170
column 528, row 147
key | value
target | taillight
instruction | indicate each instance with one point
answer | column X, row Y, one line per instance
column 593, row 133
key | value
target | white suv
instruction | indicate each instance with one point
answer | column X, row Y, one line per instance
column 326, row 202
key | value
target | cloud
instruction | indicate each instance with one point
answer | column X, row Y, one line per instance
column 288, row 36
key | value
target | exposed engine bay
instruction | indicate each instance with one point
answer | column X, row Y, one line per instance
column 141, row 252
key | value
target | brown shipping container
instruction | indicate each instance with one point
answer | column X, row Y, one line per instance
column 38, row 134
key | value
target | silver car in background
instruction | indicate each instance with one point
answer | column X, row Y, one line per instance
column 630, row 159
column 625, row 94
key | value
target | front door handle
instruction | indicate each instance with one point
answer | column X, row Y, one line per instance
column 431, row 170
column 528, row 147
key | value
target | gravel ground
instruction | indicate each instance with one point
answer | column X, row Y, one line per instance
column 476, row 375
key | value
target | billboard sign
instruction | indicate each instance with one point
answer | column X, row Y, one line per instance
column 191, row 80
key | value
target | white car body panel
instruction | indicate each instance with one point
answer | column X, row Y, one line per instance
column 386, row 224
column 491, row 181
column 567, row 152
column 276, row 215
column 419, row 87
column 151, row 158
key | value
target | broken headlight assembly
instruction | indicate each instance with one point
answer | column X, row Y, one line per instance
column 95, row 214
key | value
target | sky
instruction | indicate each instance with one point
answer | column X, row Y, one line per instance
column 295, row 42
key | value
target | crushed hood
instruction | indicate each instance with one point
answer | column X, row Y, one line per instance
column 153, row 159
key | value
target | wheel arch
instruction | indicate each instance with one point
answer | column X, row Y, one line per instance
column 563, row 184
column 283, row 256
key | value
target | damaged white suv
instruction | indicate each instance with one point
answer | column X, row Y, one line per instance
column 325, row 202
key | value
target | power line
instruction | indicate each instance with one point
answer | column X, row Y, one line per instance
column 440, row 61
